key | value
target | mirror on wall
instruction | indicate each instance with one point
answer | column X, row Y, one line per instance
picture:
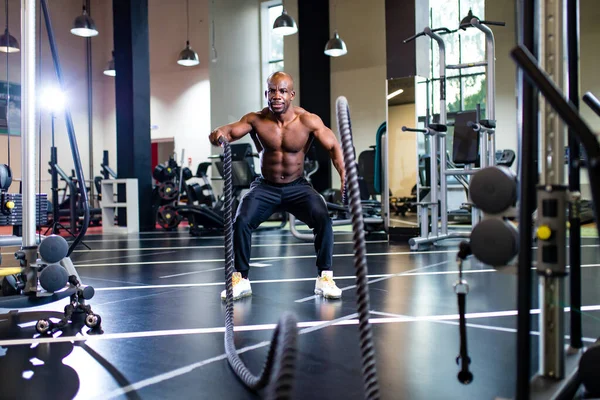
column 402, row 165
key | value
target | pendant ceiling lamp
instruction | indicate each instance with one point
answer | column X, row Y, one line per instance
column 110, row 68
column 284, row 24
column 84, row 25
column 335, row 46
column 8, row 43
column 188, row 57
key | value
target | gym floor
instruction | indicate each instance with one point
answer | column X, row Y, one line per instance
column 158, row 296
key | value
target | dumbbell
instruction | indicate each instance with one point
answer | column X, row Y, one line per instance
column 52, row 250
column 589, row 369
column 494, row 240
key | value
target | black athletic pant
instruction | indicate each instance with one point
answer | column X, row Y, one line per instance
column 298, row 198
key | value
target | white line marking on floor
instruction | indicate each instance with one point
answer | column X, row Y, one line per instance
column 129, row 256
column 274, row 258
column 262, row 235
column 256, row 265
column 192, row 273
column 477, row 326
column 134, row 298
column 347, row 320
column 260, row 265
column 377, row 280
column 204, row 247
column 205, row 284
column 111, row 280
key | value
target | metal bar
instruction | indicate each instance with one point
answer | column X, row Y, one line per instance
column 460, row 171
column 443, row 195
column 528, row 131
column 490, row 111
column 434, row 188
column 424, row 220
column 415, row 242
column 569, row 114
column 552, row 136
column 552, row 60
column 592, row 102
column 574, row 181
column 385, row 196
column 88, row 50
column 54, row 174
column 29, row 121
column 70, row 130
column 467, row 65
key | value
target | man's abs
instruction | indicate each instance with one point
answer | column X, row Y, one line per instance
column 282, row 167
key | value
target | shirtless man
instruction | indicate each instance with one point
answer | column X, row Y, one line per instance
column 283, row 134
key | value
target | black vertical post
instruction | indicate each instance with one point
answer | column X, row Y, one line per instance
column 132, row 90
column 88, row 62
column 54, row 174
column 574, row 183
column 315, row 78
column 105, row 174
column 528, row 124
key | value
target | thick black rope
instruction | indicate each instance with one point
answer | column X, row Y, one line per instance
column 280, row 364
column 367, row 348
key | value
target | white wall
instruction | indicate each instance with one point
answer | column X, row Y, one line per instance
column 180, row 96
column 235, row 78
column 506, row 73
column 360, row 75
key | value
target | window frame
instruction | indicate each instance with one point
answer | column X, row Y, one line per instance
column 462, row 74
column 265, row 41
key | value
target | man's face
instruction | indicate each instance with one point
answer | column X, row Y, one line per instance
column 279, row 94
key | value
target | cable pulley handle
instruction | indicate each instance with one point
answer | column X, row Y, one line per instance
column 461, row 288
column 405, row 129
column 410, row 39
column 464, row 376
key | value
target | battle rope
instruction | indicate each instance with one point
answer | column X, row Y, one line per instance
column 367, row 348
column 281, row 360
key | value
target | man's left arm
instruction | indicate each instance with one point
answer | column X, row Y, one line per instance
column 328, row 140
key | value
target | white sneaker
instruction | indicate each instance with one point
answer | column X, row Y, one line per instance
column 241, row 287
column 325, row 286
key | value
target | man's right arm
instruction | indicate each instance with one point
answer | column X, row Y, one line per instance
column 234, row 131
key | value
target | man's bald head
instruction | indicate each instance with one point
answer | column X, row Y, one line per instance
column 278, row 76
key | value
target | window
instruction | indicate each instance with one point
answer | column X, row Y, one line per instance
column 271, row 43
column 465, row 88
